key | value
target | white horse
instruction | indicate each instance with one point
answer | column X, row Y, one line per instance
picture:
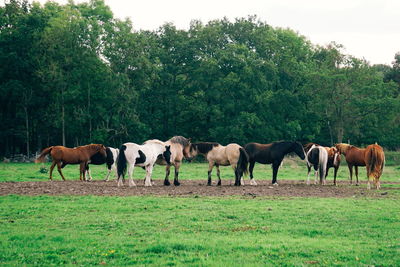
column 317, row 156
column 131, row 155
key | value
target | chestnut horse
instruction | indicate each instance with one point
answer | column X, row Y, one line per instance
column 372, row 157
column 333, row 159
column 218, row 155
column 62, row 156
column 272, row 153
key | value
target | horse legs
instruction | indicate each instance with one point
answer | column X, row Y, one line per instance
column 210, row 167
column 176, row 180
column 275, row 168
column 149, row 170
column 308, row 173
column 251, row 167
column 356, row 168
column 167, row 171
column 51, row 170
column 237, row 177
column 83, row 166
column 59, row 170
column 350, row 173
column 108, row 174
column 218, row 174
column 334, row 175
column 130, row 173
column 88, row 173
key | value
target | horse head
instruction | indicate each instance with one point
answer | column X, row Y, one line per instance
column 343, row 148
column 299, row 150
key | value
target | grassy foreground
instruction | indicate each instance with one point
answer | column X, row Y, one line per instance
column 194, row 231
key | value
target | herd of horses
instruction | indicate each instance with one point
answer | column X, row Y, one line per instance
column 241, row 159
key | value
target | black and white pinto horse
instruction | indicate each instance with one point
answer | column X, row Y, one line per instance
column 218, row 155
column 110, row 159
column 146, row 155
column 272, row 153
column 317, row 157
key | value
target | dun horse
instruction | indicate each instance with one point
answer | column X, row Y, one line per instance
column 63, row 155
column 218, row 155
column 178, row 145
column 372, row 157
column 131, row 155
column 272, row 153
column 317, row 156
column 110, row 160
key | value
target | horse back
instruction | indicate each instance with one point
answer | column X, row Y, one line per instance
column 260, row 153
column 356, row 156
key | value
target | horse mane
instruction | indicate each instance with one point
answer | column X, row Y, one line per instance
column 180, row 140
column 204, row 147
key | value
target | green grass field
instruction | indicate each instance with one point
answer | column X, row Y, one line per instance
column 197, row 231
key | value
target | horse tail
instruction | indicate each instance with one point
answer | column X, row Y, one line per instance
column 323, row 162
column 243, row 161
column 43, row 154
column 121, row 161
column 377, row 160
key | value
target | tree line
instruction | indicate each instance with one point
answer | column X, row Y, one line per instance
column 73, row 74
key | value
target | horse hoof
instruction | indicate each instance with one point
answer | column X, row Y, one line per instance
column 357, row 185
column 176, row 183
column 219, row 184
column 208, row 184
column 167, row 183
column 275, row 184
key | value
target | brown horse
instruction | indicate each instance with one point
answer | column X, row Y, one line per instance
column 63, row 155
column 177, row 147
column 375, row 161
column 372, row 157
column 355, row 157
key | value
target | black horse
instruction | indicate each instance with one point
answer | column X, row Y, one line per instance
column 271, row 154
column 98, row 159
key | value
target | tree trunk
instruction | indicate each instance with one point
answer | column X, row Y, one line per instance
column 27, row 131
column 90, row 117
column 63, row 117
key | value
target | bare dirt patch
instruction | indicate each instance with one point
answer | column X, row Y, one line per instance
column 286, row 188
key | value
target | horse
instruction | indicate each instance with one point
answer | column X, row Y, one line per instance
column 333, row 159
column 355, row 157
column 372, row 157
column 374, row 161
column 178, row 145
column 272, row 153
column 219, row 155
column 99, row 159
column 78, row 155
column 317, row 156
column 145, row 155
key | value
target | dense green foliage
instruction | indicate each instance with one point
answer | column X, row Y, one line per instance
column 73, row 74
column 159, row 231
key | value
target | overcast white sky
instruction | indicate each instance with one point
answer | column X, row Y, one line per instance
column 368, row 29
